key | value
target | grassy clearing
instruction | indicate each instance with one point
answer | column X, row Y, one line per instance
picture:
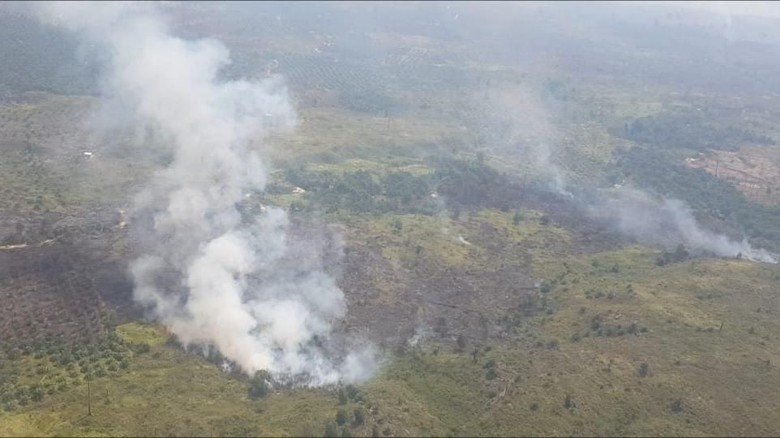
column 715, row 372
column 138, row 333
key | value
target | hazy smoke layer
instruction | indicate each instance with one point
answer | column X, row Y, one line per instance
column 212, row 275
column 517, row 124
column 668, row 221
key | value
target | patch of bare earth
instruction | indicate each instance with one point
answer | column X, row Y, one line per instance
column 754, row 171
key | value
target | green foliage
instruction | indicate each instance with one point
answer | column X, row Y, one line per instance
column 363, row 192
column 462, row 182
column 690, row 130
column 474, row 183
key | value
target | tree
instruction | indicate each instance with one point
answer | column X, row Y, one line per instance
column 342, row 396
column 359, row 417
column 37, row 393
column 644, row 369
column 680, row 253
column 517, row 218
column 461, row 342
column 568, row 402
column 341, row 417
column 353, row 393
column 331, row 430
column 259, row 385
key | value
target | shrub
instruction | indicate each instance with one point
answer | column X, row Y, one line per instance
column 644, row 369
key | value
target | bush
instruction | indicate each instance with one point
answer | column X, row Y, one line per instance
column 141, row 348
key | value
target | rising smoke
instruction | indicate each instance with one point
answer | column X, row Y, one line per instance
column 521, row 126
column 667, row 222
column 514, row 122
column 212, row 274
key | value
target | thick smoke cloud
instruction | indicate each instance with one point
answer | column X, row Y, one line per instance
column 213, row 274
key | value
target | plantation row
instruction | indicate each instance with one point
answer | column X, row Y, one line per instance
column 49, row 299
column 46, row 365
column 307, row 73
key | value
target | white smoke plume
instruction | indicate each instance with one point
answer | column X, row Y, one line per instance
column 515, row 122
column 210, row 274
column 669, row 221
column 523, row 128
